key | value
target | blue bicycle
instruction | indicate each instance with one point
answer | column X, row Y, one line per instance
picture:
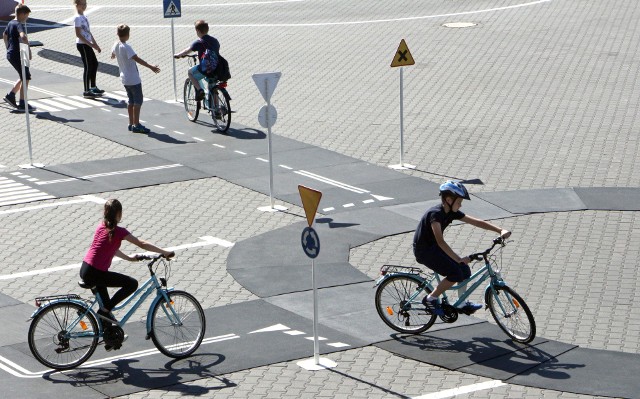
column 401, row 291
column 65, row 329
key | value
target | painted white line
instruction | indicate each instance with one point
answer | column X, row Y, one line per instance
column 294, row 332
column 319, row 338
column 219, row 146
column 117, row 172
column 381, row 198
column 449, row 393
column 86, row 12
column 76, row 104
column 197, row 139
column 123, row 115
column 204, row 241
column 175, row 131
column 240, row 152
column 54, row 7
column 22, row 194
column 368, row 201
column 349, row 205
column 286, row 167
column 115, row 96
column 159, row 127
column 275, row 327
column 83, row 199
column 328, row 209
column 27, row 199
column 141, row 121
column 2, row 166
column 338, row 344
column 56, row 104
column 42, row 106
column 87, row 101
column 5, row 191
column 332, row 182
column 32, row 179
column 105, row 110
column 365, row 22
column 262, row 159
column 35, row 88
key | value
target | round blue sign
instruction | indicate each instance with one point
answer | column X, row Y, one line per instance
column 310, row 242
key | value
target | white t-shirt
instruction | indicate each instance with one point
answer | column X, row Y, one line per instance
column 128, row 67
column 82, row 22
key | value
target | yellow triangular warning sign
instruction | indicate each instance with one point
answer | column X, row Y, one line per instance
column 403, row 56
column 310, row 201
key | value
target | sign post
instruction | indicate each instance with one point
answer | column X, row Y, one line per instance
column 311, row 247
column 401, row 59
column 267, row 117
column 171, row 10
column 24, row 63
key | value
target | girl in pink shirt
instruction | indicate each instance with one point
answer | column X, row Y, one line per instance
column 106, row 245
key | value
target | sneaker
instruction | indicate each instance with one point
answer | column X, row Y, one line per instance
column 130, row 127
column 471, row 307
column 97, row 91
column 199, row 95
column 10, row 98
column 433, row 307
column 107, row 317
column 140, row 129
column 21, row 107
column 89, row 94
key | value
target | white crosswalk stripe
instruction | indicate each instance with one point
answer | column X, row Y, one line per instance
column 67, row 103
column 13, row 192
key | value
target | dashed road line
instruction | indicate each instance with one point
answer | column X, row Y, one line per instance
column 198, row 139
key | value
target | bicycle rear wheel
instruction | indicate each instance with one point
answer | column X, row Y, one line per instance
column 191, row 106
column 177, row 327
column 511, row 313
column 55, row 344
column 221, row 111
column 395, row 309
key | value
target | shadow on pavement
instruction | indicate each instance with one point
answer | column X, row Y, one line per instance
column 75, row 60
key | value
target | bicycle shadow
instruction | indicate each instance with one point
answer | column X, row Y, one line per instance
column 173, row 376
column 240, row 134
column 504, row 357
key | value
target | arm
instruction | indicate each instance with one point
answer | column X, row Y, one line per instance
column 486, row 225
column 95, row 44
column 121, row 255
column 183, row 52
column 25, row 40
column 144, row 63
column 148, row 246
column 81, row 38
column 5, row 37
column 437, row 233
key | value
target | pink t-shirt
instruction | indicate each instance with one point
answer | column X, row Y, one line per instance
column 102, row 251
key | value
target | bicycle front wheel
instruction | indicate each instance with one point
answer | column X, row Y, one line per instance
column 56, row 342
column 397, row 310
column 511, row 313
column 177, row 327
column 191, row 106
column 221, row 111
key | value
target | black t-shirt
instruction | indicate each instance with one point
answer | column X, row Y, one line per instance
column 424, row 238
column 204, row 43
column 13, row 30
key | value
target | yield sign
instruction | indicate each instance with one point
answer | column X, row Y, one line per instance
column 267, row 83
column 310, row 201
column 403, row 56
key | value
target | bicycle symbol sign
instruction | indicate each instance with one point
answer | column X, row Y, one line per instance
column 310, row 242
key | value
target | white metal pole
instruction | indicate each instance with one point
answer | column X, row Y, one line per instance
column 266, row 88
column 401, row 116
column 316, row 344
column 26, row 103
column 173, row 51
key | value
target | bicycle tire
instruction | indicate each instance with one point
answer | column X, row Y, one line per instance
column 45, row 336
column 391, row 304
column 511, row 323
column 191, row 106
column 169, row 337
column 222, row 121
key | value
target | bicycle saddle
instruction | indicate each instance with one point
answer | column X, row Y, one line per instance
column 84, row 285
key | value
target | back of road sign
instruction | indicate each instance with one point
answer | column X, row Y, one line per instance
column 267, row 83
column 403, row 56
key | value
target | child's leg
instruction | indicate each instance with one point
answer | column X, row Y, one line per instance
column 17, row 88
column 84, row 55
column 130, row 111
column 136, row 114
column 93, row 67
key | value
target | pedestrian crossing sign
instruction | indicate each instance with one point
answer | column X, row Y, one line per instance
column 171, row 8
column 403, row 56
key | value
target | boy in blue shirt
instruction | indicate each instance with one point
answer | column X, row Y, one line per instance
column 204, row 42
column 431, row 250
column 13, row 35
column 127, row 59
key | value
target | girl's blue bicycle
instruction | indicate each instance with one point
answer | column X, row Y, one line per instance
column 65, row 329
column 401, row 291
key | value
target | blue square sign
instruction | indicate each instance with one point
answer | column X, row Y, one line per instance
column 171, row 8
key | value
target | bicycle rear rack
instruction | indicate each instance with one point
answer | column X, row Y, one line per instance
column 400, row 269
column 42, row 299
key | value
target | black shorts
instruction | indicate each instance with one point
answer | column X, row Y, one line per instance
column 15, row 63
column 437, row 260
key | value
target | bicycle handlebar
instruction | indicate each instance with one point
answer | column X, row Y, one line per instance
column 154, row 257
column 483, row 255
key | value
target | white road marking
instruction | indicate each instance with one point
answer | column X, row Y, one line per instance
column 286, row 167
column 83, row 199
column 73, row 102
column 92, row 103
column 198, row 139
column 368, row 201
column 159, row 127
column 338, row 344
column 240, row 152
column 349, row 205
column 13, row 192
column 381, row 198
column 117, row 172
column 449, row 393
column 275, row 327
column 295, row 332
column 86, row 12
column 42, row 107
column 219, row 146
column 328, row 209
column 204, row 241
column 332, row 182
column 106, row 110
column 319, row 338
column 175, row 131
column 115, row 96
column 262, row 159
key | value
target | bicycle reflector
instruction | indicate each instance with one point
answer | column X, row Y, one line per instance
column 167, row 304
column 515, row 302
column 83, row 325
column 389, row 310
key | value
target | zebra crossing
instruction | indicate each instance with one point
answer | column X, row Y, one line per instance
column 59, row 103
column 13, row 192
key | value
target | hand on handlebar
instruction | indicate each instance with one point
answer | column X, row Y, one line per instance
column 169, row 255
column 505, row 234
